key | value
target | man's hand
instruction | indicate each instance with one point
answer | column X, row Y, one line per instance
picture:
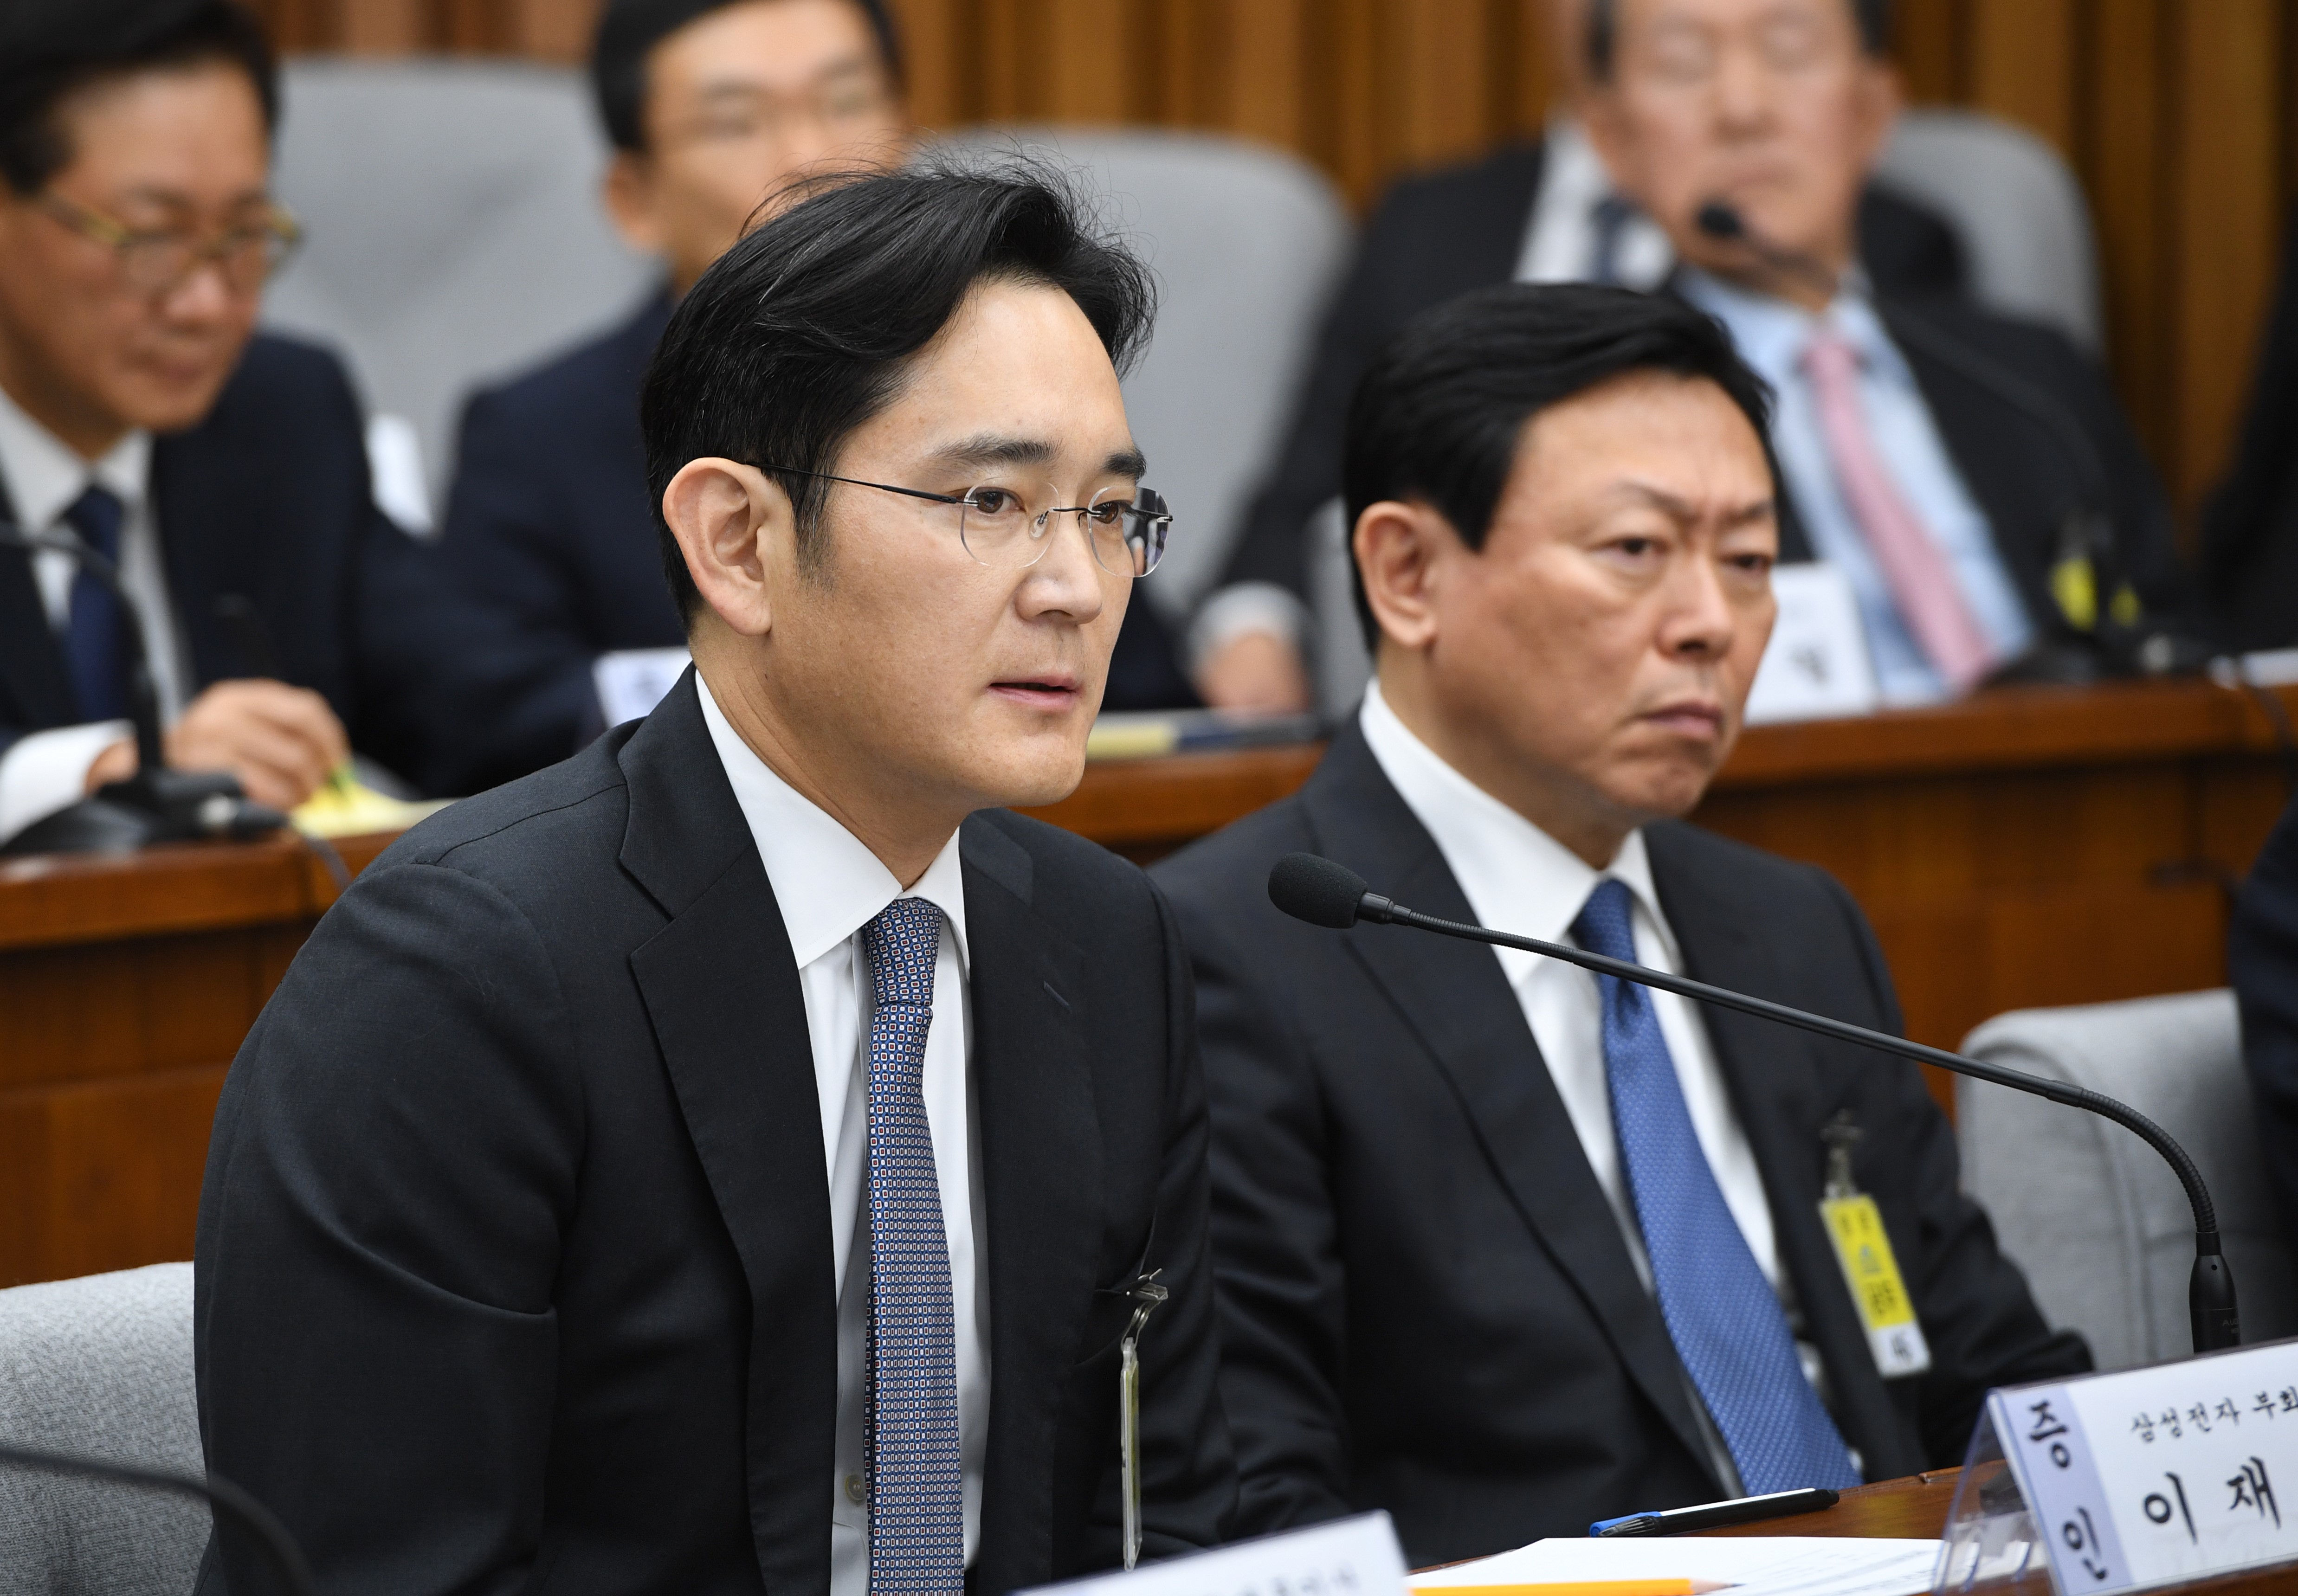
column 280, row 742
column 1257, row 671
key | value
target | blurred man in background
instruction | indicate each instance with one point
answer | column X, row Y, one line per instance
column 2249, row 546
column 1971, row 476
column 711, row 106
column 1543, row 211
column 224, row 473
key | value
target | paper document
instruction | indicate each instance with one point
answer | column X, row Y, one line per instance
column 1348, row 1557
column 1755, row 1565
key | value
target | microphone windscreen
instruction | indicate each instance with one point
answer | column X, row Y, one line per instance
column 1309, row 888
column 1718, row 220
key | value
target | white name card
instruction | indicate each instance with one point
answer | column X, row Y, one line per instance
column 1816, row 664
column 1350, row 1557
column 631, row 681
column 2157, row 1474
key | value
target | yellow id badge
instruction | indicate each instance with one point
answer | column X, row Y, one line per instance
column 1862, row 1249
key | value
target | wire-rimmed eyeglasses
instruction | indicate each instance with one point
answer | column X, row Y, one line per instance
column 1125, row 527
column 159, row 261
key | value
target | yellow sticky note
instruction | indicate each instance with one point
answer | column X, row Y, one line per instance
column 1864, row 1249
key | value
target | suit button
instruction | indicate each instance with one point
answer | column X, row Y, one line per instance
column 853, row 1488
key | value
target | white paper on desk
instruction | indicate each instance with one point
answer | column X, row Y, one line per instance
column 631, row 681
column 1758, row 1565
column 1816, row 662
column 1348, row 1557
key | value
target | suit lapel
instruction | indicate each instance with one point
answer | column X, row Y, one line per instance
column 1039, row 1157
column 721, row 988
column 1456, row 998
column 31, row 665
column 1774, row 1075
column 185, row 492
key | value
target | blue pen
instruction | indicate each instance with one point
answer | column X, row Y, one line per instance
column 1716, row 1515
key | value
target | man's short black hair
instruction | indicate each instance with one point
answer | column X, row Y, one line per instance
column 804, row 330
column 629, row 29
column 1873, row 18
column 1438, row 416
column 50, row 49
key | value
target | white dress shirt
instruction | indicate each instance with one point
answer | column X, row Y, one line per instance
column 46, row 771
column 829, row 886
column 1562, row 242
column 1772, row 336
column 1517, row 878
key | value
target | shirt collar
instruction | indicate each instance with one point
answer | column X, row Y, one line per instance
column 1515, row 876
column 827, row 884
column 1771, row 333
column 46, row 476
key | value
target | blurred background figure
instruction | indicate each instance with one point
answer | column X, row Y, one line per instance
column 1544, row 210
column 2262, row 968
column 1942, row 456
column 223, row 471
column 711, row 106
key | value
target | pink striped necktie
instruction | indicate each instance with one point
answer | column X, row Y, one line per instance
column 1923, row 582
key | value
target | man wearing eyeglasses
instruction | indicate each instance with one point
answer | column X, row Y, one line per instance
column 223, row 474
column 732, row 1159
column 710, row 105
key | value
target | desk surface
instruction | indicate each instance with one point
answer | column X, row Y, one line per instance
column 1916, row 1508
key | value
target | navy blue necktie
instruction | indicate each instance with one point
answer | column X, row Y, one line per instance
column 1610, row 219
column 1722, row 1315
column 910, row 1438
column 94, row 641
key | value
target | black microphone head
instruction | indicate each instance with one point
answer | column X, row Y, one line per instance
column 1718, row 220
column 1313, row 888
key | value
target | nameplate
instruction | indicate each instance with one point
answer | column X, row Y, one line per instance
column 1816, row 664
column 2153, row 1476
column 631, row 681
column 1348, row 1557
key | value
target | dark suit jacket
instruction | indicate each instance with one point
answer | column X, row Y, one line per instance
column 2250, row 528
column 2262, row 968
column 550, row 530
column 514, row 1254
column 267, row 498
column 1433, row 238
column 1427, row 1306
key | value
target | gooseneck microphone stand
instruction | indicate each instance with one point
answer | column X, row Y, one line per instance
column 222, row 1497
column 156, row 804
column 1318, row 891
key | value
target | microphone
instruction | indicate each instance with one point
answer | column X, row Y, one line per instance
column 1318, row 891
column 2089, row 531
column 279, row 1548
column 156, row 804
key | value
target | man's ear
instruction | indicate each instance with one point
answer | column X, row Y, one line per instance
column 739, row 532
column 628, row 190
column 1397, row 546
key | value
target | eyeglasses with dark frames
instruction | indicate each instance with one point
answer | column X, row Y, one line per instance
column 1125, row 527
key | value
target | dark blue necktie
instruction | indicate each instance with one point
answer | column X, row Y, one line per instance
column 1610, row 220
column 94, row 641
column 910, row 1438
column 1722, row 1315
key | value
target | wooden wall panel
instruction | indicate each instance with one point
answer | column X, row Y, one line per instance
column 2179, row 117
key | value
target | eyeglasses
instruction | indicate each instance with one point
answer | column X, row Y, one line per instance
column 160, row 261
column 999, row 527
column 845, row 107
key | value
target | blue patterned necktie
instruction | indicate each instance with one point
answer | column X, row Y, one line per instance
column 910, row 1441
column 96, row 631
column 1722, row 1315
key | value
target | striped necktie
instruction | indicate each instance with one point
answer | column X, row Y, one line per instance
column 1722, row 1315
column 911, row 1452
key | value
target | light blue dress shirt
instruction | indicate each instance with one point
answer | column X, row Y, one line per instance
column 1772, row 336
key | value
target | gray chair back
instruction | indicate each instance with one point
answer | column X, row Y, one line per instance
column 454, row 230
column 2094, row 1216
column 101, row 1366
column 1246, row 242
column 2025, row 229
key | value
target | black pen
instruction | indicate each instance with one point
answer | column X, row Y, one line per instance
column 1717, row 1515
